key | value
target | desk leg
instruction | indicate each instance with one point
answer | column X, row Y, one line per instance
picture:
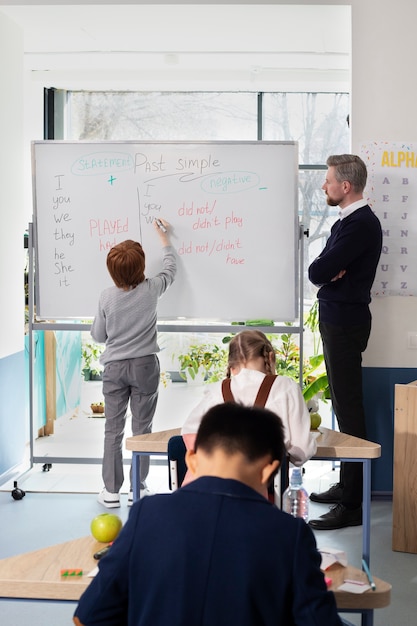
column 136, row 475
column 366, row 507
column 367, row 618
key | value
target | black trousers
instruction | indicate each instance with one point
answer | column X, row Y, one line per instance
column 342, row 349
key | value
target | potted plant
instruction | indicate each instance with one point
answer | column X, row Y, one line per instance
column 91, row 367
column 315, row 383
column 207, row 362
column 202, row 363
column 97, row 408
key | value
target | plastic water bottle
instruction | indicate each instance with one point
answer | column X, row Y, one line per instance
column 295, row 498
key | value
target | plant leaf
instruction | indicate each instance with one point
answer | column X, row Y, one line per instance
column 318, row 385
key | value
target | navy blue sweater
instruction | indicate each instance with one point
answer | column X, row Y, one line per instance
column 213, row 553
column 354, row 245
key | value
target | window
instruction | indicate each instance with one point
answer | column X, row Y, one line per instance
column 159, row 116
column 318, row 121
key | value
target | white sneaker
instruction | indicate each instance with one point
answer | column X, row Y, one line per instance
column 109, row 500
column 143, row 492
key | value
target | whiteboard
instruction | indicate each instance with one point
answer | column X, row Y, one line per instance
column 232, row 207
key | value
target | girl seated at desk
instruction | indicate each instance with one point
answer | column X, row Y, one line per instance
column 251, row 358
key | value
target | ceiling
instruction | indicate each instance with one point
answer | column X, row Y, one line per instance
column 119, row 41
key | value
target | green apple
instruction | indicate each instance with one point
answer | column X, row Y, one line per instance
column 315, row 420
column 105, row 527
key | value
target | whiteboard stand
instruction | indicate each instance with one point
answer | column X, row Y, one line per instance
column 243, row 193
column 35, row 325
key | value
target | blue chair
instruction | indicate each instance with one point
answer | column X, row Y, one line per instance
column 178, row 468
column 176, row 462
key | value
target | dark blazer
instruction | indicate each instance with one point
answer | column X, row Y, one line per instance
column 214, row 553
column 354, row 245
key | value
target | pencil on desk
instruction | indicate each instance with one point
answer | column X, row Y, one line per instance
column 369, row 575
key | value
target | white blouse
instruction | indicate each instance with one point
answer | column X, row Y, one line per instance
column 285, row 399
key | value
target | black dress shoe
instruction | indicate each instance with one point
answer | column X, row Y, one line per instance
column 338, row 517
column 332, row 496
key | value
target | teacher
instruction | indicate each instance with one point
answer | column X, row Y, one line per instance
column 344, row 273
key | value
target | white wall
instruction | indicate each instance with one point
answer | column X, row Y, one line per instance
column 12, row 210
column 384, row 92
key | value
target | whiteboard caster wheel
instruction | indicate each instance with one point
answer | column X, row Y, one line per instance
column 17, row 494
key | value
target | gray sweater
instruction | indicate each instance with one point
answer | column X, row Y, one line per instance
column 126, row 320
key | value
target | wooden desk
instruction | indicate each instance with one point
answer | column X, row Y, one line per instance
column 334, row 445
column 369, row 600
column 151, row 443
column 36, row 576
column 144, row 445
column 331, row 445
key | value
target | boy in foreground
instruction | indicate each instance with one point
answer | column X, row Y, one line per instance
column 215, row 552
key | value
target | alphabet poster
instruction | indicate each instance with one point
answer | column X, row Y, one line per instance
column 392, row 193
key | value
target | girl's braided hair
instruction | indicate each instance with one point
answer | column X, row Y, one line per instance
column 248, row 345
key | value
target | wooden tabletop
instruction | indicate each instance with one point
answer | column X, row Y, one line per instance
column 330, row 444
column 368, row 600
column 37, row 575
column 152, row 442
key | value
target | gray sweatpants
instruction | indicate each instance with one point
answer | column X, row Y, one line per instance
column 136, row 380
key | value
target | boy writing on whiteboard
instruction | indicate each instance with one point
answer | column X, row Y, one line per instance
column 126, row 323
